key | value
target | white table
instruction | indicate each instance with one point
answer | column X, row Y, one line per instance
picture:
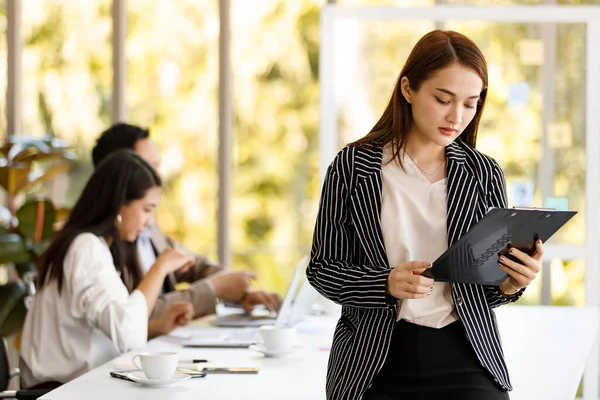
column 546, row 350
column 286, row 377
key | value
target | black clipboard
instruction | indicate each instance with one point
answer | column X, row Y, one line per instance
column 474, row 257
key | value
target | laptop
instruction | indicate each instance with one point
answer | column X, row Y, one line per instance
column 242, row 319
column 296, row 305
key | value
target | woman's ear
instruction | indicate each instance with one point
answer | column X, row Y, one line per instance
column 405, row 89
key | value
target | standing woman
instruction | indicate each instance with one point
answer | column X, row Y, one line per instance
column 92, row 303
column 392, row 202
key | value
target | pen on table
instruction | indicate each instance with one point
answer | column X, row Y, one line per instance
column 194, row 361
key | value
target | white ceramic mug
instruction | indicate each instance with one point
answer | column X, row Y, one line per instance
column 158, row 366
column 278, row 338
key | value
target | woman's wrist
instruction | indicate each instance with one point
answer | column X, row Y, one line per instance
column 508, row 289
column 159, row 268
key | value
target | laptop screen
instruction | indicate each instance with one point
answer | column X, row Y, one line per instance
column 293, row 289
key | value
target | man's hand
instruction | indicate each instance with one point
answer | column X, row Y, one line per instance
column 232, row 286
column 178, row 314
column 271, row 301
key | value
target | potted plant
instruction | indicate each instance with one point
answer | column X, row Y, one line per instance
column 26, row 163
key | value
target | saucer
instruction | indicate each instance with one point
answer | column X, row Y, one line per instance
column 140, row 377
column 273, row 353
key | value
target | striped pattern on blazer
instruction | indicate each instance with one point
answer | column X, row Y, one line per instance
column 349, row 264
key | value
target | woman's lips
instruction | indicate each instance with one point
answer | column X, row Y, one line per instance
column 447, row 131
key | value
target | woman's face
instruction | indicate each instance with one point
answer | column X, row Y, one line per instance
column 445, row 104
column 138, row 214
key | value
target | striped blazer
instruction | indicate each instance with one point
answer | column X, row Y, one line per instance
column 349, row 264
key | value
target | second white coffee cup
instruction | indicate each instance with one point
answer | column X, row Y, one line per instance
column 158, row 366
column 278, row 338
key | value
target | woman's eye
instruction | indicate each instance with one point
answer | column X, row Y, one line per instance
column 442, row 102
column 469, row 106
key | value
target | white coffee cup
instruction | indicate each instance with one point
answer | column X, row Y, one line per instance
column 278, row 338
column 158, row 366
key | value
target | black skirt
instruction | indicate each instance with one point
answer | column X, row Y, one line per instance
column 433, row 364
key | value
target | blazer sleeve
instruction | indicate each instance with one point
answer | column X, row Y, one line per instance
column 496, row 197
column 99, row 297
column 199, row 293
column 331, row 271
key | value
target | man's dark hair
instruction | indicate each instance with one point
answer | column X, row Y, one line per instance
column 118, row 137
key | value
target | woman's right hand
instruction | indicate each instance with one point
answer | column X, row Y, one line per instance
column 173, row 259
column 405, row 281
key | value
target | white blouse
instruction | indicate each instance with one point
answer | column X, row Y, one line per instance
column 413, row 223
column 92, row 321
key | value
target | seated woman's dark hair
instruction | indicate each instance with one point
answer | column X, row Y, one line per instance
column 120, row 178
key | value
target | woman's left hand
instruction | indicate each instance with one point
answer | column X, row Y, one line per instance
column 521, row 274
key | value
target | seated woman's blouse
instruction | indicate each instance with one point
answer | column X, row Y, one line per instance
column 92, row 321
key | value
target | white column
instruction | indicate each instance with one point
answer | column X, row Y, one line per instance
column 546, row 169
column 225, row 135
column 592, row 194
column 13, row 61
column 328, row 127
column 119, row 35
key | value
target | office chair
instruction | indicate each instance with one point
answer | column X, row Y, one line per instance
column 6, row 376
column 16, row 296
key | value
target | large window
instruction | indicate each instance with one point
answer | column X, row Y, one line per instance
column 534, row 127
column 172, row 81
column 540, row 121
column 66, row 78
column 275, row 177
column 172, row 51
column 172, row 54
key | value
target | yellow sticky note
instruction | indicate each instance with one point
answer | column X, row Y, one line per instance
column 560, row 135
column 531, row 52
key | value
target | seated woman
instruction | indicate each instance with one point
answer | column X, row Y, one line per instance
column 92, row 304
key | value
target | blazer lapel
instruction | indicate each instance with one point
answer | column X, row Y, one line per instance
column 463, row 194
column 158, row 239
column 365, row 201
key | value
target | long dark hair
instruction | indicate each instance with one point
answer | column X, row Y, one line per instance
column 434, row 51
column 121, row 178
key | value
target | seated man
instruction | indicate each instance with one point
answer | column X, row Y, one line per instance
column 208, row 281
